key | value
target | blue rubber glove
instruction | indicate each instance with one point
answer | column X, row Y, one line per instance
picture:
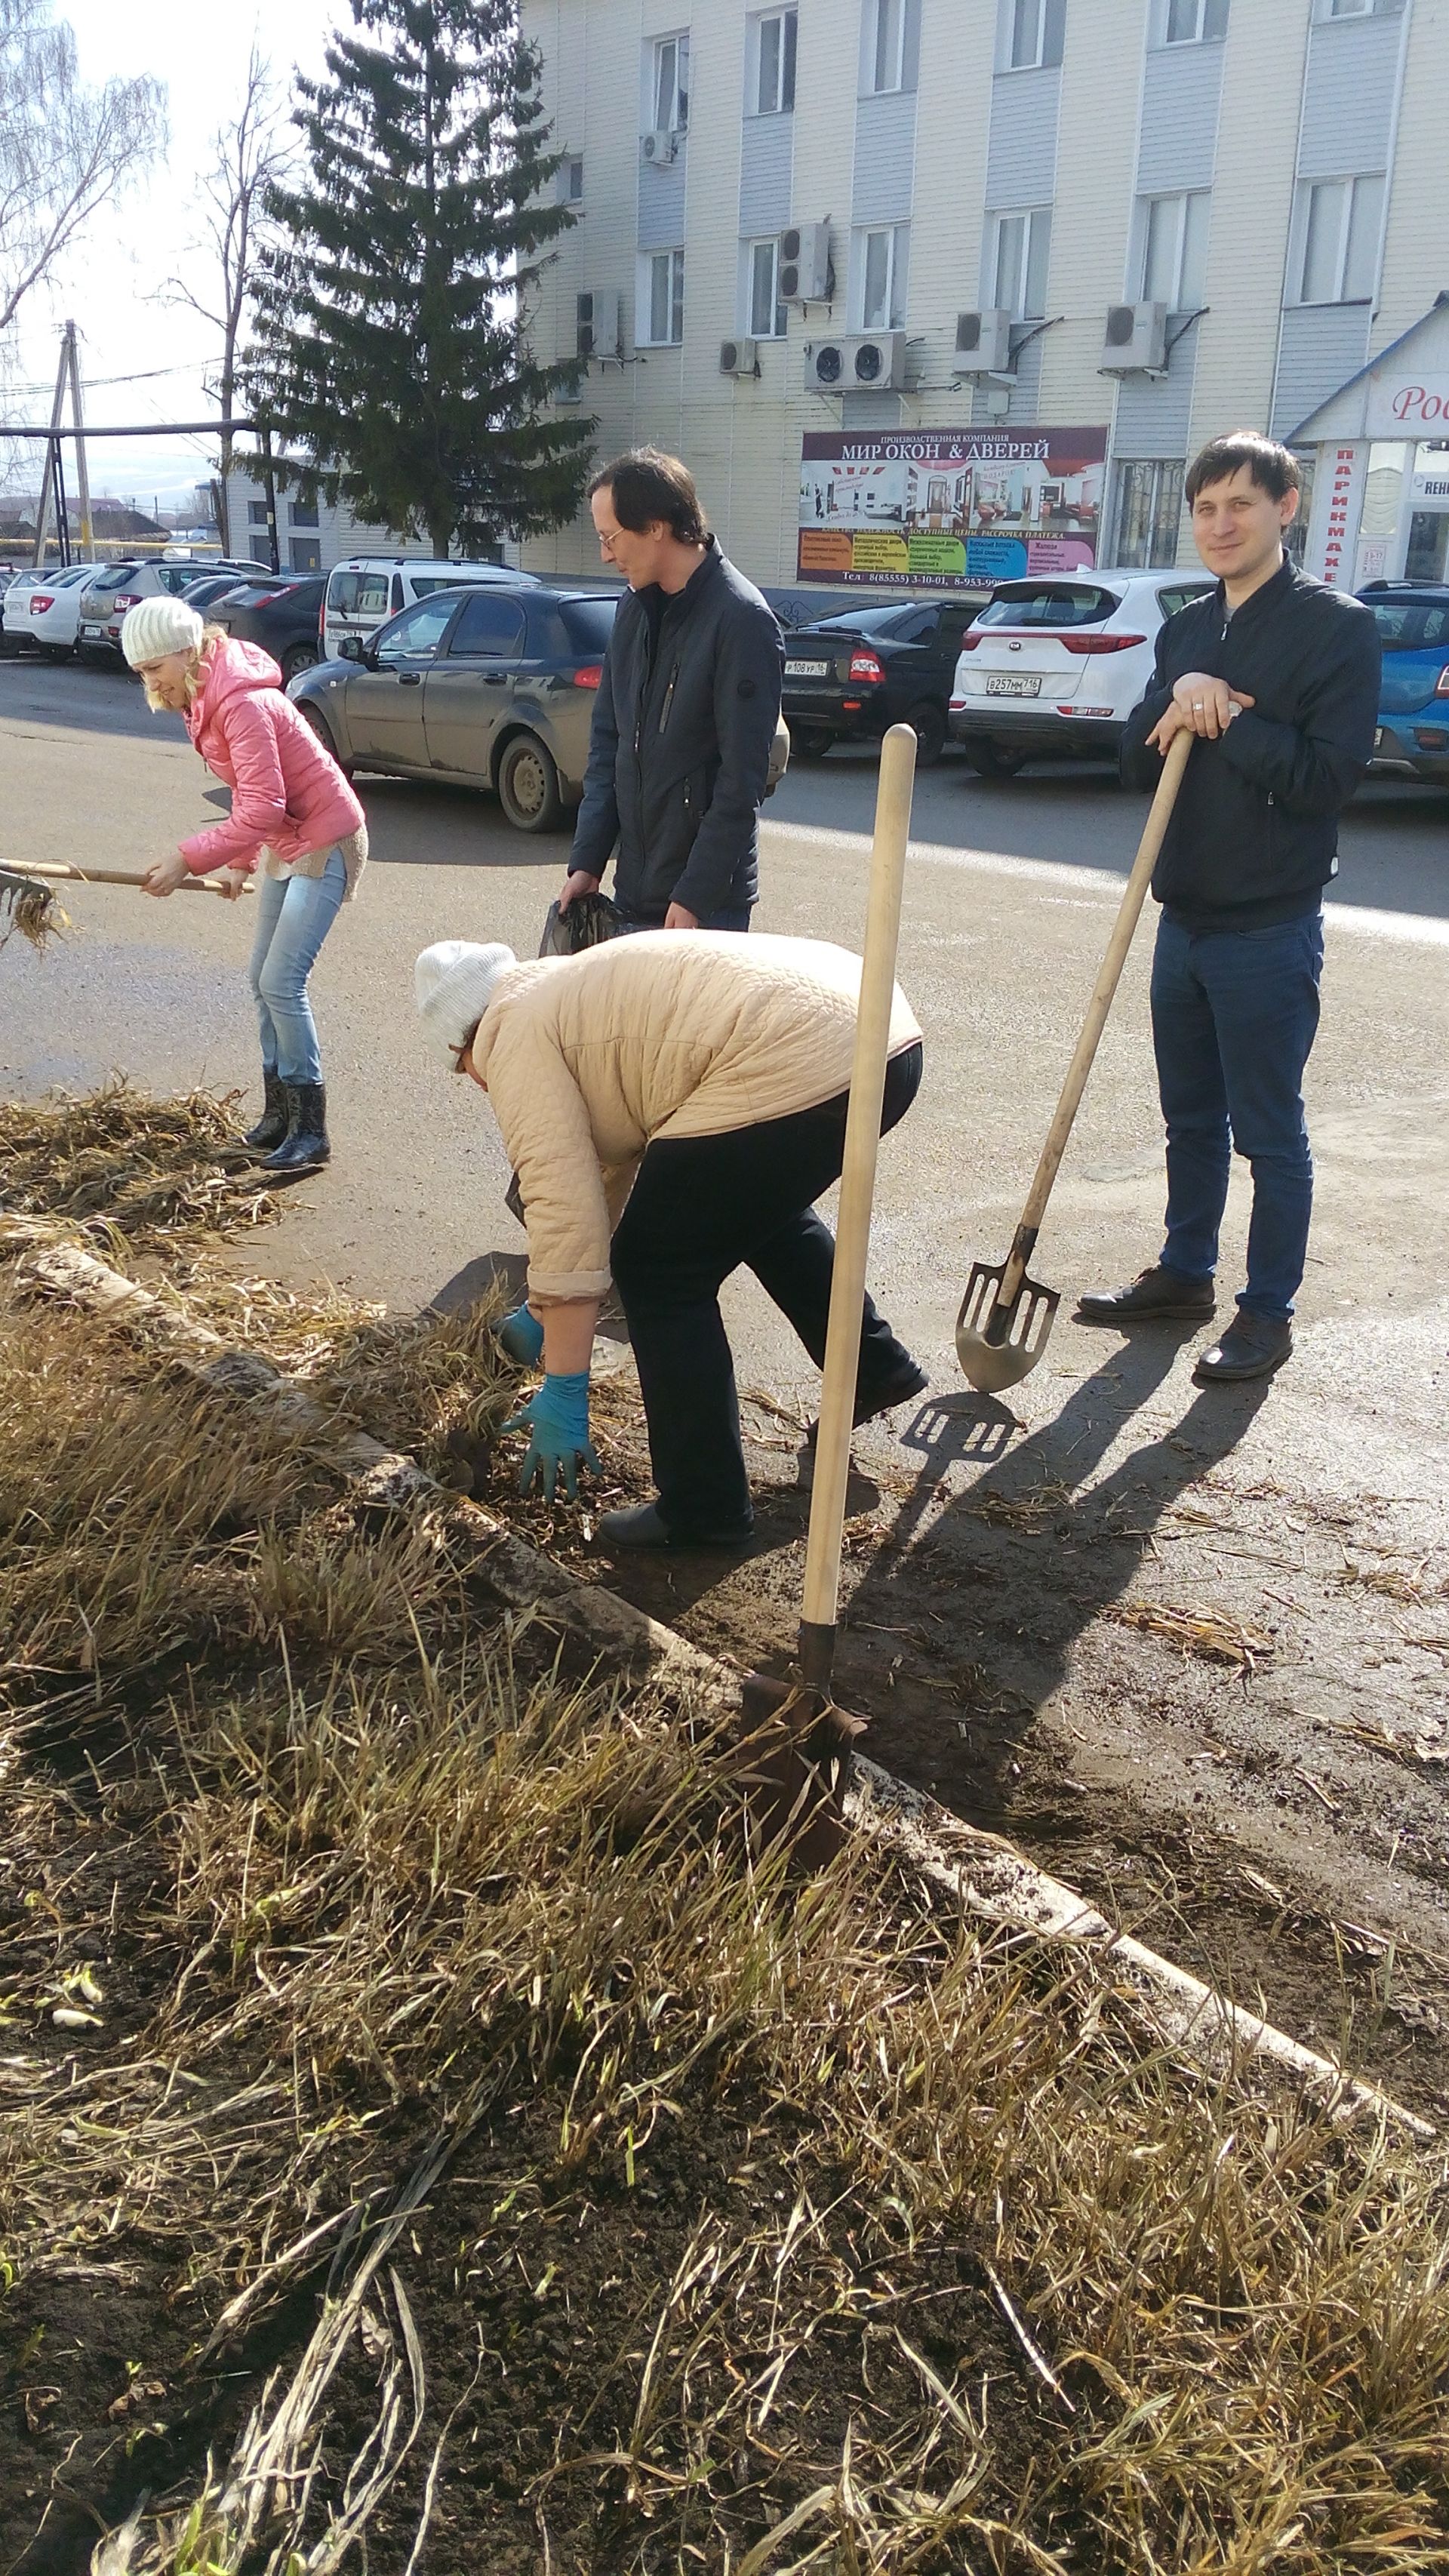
column 557, row 1420
column 521, row 1336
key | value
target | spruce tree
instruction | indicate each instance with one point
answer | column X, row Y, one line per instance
column 391, row 344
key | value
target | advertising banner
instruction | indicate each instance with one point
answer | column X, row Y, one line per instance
column 941, row 506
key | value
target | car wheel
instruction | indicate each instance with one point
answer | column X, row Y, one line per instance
column 809, row 742
column 929, row 727
column 315, row 718
column 302, row 657
column 988, row 762
column 528, row 788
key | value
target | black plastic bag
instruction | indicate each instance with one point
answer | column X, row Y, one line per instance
column 589, row 918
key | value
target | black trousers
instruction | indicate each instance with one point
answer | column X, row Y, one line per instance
column 701, row 1207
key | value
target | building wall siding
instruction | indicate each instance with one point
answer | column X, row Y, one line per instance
column 1348, row 96
column 1096, row 151
column 1181, row 91
column 885, row 158
column 767, row 158
column 1321, row 344
column 1021, row 165
column 1416, row 239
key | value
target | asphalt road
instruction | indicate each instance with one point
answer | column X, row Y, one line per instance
column 1010, row 895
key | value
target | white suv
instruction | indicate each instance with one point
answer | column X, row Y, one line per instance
column 366, row 590
column 1054, row 664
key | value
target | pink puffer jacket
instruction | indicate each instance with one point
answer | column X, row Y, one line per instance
column 288, row 794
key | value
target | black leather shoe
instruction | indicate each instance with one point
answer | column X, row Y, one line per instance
column 1154, row 1295
column 1252, row 1346
column 271, row 1127
column 907, row 1380
column 643, row 1527
column 305, row 1146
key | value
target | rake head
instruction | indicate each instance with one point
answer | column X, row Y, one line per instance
column 28, row 906
column 998, row 1345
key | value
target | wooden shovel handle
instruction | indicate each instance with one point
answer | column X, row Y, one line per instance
column 1108, row 977
column 857, row 1189
column 108, row 876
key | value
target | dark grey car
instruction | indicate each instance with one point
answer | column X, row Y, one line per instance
column 491, row 688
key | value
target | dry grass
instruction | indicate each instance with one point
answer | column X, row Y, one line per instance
column 410, row 1887
column 1213, row 1634
column 128, row 1170
column 29, row 905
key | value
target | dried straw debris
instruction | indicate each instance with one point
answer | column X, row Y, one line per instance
column 28, row 905
column 1214, row 1634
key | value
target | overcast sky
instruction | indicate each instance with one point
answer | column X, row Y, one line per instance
column 111, row 282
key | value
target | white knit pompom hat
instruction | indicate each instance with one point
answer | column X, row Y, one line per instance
column 155, row 627
column 453, row 981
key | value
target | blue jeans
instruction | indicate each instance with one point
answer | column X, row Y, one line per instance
column 1234, row 1017
column 294, row 915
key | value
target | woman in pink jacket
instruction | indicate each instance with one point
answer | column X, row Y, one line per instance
column 292, row 810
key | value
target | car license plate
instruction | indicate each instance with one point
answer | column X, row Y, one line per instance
column 806, row 670
column 1009, row 685
column 89, row 629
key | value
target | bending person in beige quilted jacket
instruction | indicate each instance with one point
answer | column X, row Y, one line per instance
column 673, row 1108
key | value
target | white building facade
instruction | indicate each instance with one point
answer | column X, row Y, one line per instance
column 929, row 291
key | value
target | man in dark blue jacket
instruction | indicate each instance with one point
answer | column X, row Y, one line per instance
column 1278, row 679
column 685, row 717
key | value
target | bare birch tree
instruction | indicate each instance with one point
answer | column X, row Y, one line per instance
column 252, row 150
column 65, row 149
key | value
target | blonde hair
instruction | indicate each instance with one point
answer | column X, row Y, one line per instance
column 211, row 634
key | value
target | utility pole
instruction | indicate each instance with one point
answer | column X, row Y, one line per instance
column 270, row 481
column 82, row 470
column 52, row 461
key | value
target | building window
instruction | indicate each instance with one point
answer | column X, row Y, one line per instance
column 883, row 278
column 256, row 514
column 571, row 182
column 892, row 44
column 1030, row 34
column 306, row 554
column 1173, row 265
column 1339, row 225
column 1295, row 535
column 767, row 314
column 670, row 93
column 1360, row 8
column 302, row 514
column 661, row 319
column 1149, row 512
column 1021, row 251
column 773, row 42
column 1194, row 22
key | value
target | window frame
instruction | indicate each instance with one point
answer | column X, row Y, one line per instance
column 781, row 312
column 568, row 194
column 649, row 261
column 1050, row 38
column 498, row 600
column 1156, row 513
column 1350, row 181
column 1330, row 13
column 418, row 611
column 677, row 122
column 896, row 278
column 1036, row 220
column 787, row 19
column 1183, row 199
column 1210, row 28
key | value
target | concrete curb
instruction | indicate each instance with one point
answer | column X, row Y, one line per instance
column 981, row 1871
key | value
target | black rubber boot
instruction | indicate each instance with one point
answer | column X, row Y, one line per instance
column 305, row 1146
column 271, row 1127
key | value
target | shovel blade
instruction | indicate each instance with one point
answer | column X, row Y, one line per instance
column 998, row 1345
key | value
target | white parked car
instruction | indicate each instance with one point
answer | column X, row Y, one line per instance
column 1054, row 664
column 47, row 608
column 366, row 590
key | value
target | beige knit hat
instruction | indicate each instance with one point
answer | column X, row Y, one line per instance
column 453, row 982
column 155, row 627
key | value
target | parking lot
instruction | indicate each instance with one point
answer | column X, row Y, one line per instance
column 1108, row 1748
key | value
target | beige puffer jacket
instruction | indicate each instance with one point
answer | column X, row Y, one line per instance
column 668, row 1033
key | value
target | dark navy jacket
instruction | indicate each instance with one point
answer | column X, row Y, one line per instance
column 1254, row 835
column 680, row 749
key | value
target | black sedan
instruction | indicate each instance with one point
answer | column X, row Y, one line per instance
column 849, row 676
column 281, row 612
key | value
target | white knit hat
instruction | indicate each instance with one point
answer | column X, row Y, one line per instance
column 453, row 981
column 155, row 627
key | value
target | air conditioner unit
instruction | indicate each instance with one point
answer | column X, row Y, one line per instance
column 656, row 150
column 738, row 358
column 1136, row 341
column 873, row 364
column 983, row 343
column 806, row 274
column 601, row 323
